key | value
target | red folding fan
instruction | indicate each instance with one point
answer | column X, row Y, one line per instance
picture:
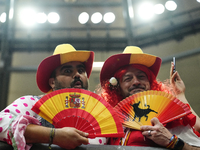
column 81, row 109
column 140, row 108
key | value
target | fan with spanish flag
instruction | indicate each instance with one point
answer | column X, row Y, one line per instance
column 81, row 109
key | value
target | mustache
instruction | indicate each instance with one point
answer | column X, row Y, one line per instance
column 73, row 83
column 136, row 87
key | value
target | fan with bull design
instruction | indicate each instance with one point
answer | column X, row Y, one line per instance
column 138, row 109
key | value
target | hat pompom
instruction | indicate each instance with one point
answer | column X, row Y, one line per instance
column 113, row 81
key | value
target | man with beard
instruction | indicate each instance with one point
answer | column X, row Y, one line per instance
column 20, row 127
column 132, row 72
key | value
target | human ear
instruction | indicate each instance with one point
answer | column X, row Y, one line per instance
column 52, row 83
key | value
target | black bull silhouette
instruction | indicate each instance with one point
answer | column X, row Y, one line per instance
column 141, row 112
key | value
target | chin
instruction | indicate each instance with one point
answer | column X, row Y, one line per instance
column 137, row 91
column 77, row 87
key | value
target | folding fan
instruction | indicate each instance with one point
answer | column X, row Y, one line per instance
column 138, row 109
column 81, row 109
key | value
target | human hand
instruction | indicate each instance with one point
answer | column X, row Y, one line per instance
column 176, row 81
column 159, row 134
column 69, row 138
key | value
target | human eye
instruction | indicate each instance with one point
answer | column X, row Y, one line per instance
column 81, row 70
column 66, row 70
column 127, row 78
column 142, row 76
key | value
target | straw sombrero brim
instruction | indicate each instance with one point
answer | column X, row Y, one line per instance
column 115, row 62
column 49, row 64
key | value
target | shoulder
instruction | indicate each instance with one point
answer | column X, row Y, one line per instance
column 23, row 102
column 29, row 98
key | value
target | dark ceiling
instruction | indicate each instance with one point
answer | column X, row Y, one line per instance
column 124, row 31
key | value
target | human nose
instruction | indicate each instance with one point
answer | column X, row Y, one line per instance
column 135, row 81
column 76, row 74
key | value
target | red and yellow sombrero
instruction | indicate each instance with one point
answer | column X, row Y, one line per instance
column 131, row 55
column 62, row 54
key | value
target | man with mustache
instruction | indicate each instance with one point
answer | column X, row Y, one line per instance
column 132, row 72
column 20, row 127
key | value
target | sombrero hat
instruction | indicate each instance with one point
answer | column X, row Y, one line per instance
column 62, row 54
column 131, row 55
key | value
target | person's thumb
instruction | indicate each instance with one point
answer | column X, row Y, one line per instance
column 82, row 133
column 84, row 139
column 154, row 121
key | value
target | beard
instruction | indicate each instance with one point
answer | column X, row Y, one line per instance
column 59, row 85
column 134, row 90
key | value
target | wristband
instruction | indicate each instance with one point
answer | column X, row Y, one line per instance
column 172, row 142
column 52, row 134
column 179, row 144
